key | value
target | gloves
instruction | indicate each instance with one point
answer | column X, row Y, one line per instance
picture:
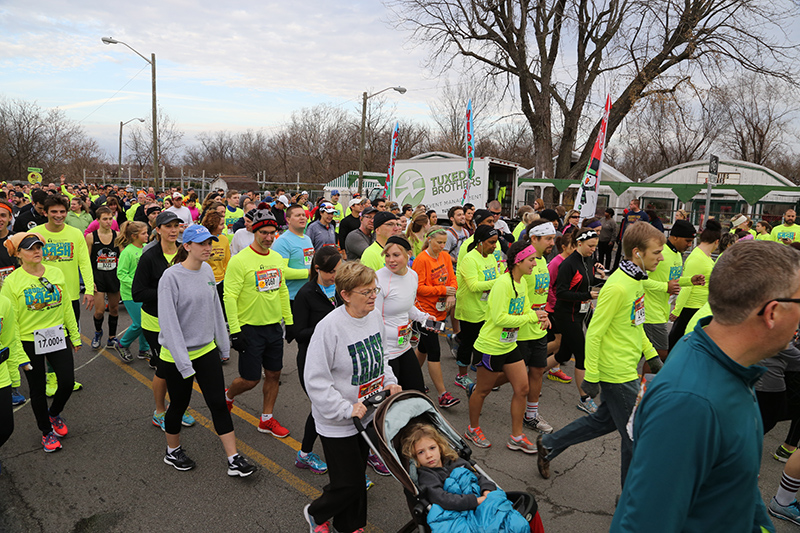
column 237, row 342
column 592, row 389
column 655, row 364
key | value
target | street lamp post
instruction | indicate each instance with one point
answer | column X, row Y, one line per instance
column 365, row 97
column 152, row 61
column 119, row 174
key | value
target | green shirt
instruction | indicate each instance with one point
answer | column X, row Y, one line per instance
column 538, row 285
column 656, row 285
column 126, row 268
column 506, row 312
column 165, row 354
column 701, row 313
column 694, row 296
column 36, row 307
column 67, row 251
column 9, row 338
column 518, row 231
column 231, row 217
column 255, row 290
column 763, row 237
column 751, row 231
column 615, row 339
column 338, row 214
column 372, row 257
column 476, row 276
column 786, row 232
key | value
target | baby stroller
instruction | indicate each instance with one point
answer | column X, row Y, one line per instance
column 392, row 416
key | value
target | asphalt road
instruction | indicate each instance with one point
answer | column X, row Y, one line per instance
column 110, row 476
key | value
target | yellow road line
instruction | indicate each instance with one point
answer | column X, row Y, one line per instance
column 274, row 468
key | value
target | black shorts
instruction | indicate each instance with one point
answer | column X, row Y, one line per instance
column 553, row 331
column 534, row 352
column 106, row 281
column 263, row 349
column 429, row 344
column 495, row 363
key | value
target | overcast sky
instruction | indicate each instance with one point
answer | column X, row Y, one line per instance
column 219, row 66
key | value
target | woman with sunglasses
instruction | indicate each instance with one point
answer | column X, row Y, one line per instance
column 572, row 221
column 338, row 382
column 44, row 317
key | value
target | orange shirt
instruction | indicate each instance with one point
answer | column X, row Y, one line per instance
column 435, row 275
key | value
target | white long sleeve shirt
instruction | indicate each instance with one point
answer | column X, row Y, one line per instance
column 396, row 304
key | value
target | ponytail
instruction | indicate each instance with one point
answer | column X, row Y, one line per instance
column 127, row 231
column 513, row 250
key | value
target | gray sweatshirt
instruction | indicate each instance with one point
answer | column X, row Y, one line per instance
column 345, row 357
column 320, row 235
column 190, row 314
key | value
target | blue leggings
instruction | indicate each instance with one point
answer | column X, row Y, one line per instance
column 135, row 330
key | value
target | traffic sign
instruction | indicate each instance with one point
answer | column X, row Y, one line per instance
column 35, row 177
column 35, row 169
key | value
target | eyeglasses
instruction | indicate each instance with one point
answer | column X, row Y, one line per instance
column 47, row 284
column 371, row 293
column 495, row 214
column 574, row 216
column 787, row 300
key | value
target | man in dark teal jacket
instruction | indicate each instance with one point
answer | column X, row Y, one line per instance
column 697, row 433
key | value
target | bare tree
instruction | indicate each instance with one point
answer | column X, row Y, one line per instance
column 449, row 110
column 139, row 143
column 554, row 53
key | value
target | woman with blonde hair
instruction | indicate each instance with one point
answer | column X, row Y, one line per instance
column 131, row 239
column 220, row 250
column 415, row 232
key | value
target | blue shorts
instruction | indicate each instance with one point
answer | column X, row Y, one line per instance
column 263, row 349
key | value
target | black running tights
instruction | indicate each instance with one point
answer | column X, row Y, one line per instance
column 64, row 367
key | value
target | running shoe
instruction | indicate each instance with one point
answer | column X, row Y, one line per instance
column 541, row 460
column 76, row 386
column 377, row 465
column 240, row 466
column 179, row 460
column 452, row 342
column 158, row 420
column 587, row 406
column 187, row 419
column 463, row 381
column 369, row 482
column 782, row 454
column 123, row 351
column 559, row 376
column 324, row 527
column 537, row 423
column 470, row 389
column 51, row 384
column 98, row 336
column 272, row 427
column 59, row 427
column 143, row 354
column 790, row 513
column 152, row 362
column 477, row 437
column 312, row 462
column 447, row 401
column 228, row 402
column 17, row 398
column 50, row 442
column 522, row 445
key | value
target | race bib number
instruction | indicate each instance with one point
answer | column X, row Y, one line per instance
column 485, row 296
column 509, row 335
column 637, row 313
column 308, row 257
column 49, row 340
column 370, row 389
column 268, row 280
column 441, row 304
column 403, row 335
column 585, row 307
column 4, row 272
column 106, row 260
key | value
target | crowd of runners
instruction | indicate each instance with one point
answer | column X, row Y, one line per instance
column 375, row 294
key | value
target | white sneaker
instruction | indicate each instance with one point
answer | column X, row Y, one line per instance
column 537, row 424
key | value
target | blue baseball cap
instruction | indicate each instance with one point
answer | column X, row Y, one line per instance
column 197, row 233
column 335, row 192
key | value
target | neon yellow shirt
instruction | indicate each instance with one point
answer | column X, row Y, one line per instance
column 231, row 217
column 763, row 237
column 9, row 338
column 694, row 296
column 476, row 276
column 701, row 313
column 506, row 312
column 615, row 339
column 338, row 215
column 538, row 286
column 786, row 232
column 67, row 251
column 36, row 307
column 165, row 354
column 255, row 290
column 656, row 284
column 518, row 231
column 150, row 322
column 372, row 257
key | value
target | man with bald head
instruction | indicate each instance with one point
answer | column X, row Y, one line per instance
column 788, row 232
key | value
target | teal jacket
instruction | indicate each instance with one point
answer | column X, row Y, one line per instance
column 697, row 440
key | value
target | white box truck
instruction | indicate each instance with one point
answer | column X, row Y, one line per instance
column 438, row 180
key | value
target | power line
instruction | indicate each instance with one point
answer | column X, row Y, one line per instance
column 113, row 95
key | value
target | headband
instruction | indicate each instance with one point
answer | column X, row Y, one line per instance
column 542, row 229
column 6, row 207
column 524, row 254
column 434, row 232
column 585, row 236
column 398, row 240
